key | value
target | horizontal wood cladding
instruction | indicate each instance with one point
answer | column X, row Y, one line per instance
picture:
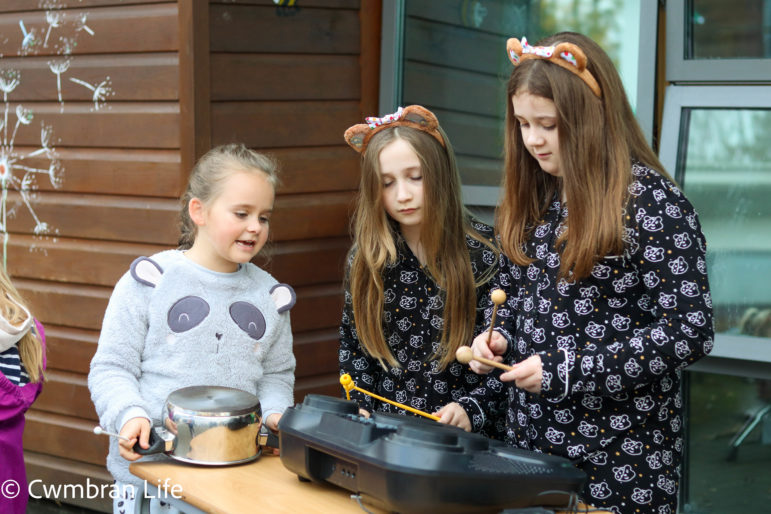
column 116, row 29
column 81, row 261
column 26, row 5
column 70, row 349
column 64, row 436
column 109, row 218
column 56, row 472
column 316, row 353
column 115, row 125
column 317, row 169
column 284, row 77
column 311, row 216
column 308, row 262
column 282, row 124
column 78, row 261
column 66, row 393
column 322, row 384
column 264, row 29
column 111, row 171
column 83, row 307
column 130, row 77
column 338, row 4
column 154, row 220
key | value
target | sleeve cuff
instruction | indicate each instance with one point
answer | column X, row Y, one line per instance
column 474, row 411
column 131, row 412
column 555, row 382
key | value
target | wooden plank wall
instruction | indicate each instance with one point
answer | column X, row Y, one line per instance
column 287, row 81
column 112, row 118
column 455, row 64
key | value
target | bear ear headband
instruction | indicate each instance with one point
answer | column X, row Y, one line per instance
column 413, row 116
column 567, row 55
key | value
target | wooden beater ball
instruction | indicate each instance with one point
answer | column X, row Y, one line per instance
column 498, row 296
column 464, row 355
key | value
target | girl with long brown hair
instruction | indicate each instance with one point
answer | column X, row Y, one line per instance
column 22, row 360
column 417, row 274
column 609, row 298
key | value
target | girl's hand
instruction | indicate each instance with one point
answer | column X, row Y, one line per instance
column 135, row 428
column 527, row 374
column 492, row 350
column 453, row 414
column 272, row 421
column 364, row 413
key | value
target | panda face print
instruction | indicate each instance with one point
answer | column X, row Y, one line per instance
column 541, row 250
column 555, row 436
column 696, row 318
column 343, row 355
column 539, row 335
column 613, row 383
column 600, row 491
column 408, row 302
column 532, row 272
column 642, row 496
column 416, row 341
column 621, row 323
column 542, row 230
column 388, row 384
column 410, row 384
column 600, row 271
column 563, row 287
column 644, row 403
column 360, row 364
column 678, row 266
column 594, row 330
column 591, row 402
column 566, row 342
column 668, row 301
column 659, row 194
column 654, row 253
column 683, row 241
column 187, row 313
column 689, row 289
column 652, row 223
column 583, row 306
column 598, row 458
column 553, row 260
column 563, row 416
column 404, row 324
column 617, row 303
column 589, row 292
column 401, row 396
column 560, row 319
column 654, row 460
column 623, row 473
column 632, row 368
column 632, row 447
column 389, row 295
column 588, row 430
column 544, row 305
column 408, row 277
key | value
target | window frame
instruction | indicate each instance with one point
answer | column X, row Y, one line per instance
column 391, row 79
column 732, row 354
column 680, row 69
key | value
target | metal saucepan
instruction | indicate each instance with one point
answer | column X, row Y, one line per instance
column 209, row 425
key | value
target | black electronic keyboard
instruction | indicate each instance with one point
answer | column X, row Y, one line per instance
column 409, row 464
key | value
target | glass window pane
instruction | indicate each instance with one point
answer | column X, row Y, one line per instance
column 721, row 479
column 728, row 179
column 455, row 62
column 740, row 29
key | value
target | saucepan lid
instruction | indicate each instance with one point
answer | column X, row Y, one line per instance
column 213, row 401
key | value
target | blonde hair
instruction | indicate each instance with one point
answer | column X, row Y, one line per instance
column 445, row 225
column 599, row 138
column 30, row 345
column 208, row 175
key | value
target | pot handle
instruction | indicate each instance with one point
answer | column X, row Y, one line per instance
column 157, row 444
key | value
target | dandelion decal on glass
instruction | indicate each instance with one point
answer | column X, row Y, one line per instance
column 100, row 91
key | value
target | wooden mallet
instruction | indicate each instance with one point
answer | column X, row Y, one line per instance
column 464, row 355
column 347, row 382
column 498, row 296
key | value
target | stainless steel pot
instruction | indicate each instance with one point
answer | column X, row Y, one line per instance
column 209, row 425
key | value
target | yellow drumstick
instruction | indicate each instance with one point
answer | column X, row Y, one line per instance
column 347, row 382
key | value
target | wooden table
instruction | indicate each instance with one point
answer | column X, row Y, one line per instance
column 264, row 485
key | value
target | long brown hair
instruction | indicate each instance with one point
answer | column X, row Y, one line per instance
column 30, row 345
column 446, row 223
column 599, row 138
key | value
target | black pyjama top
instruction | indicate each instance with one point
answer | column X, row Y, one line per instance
column 412, row 326
column 612, row 346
